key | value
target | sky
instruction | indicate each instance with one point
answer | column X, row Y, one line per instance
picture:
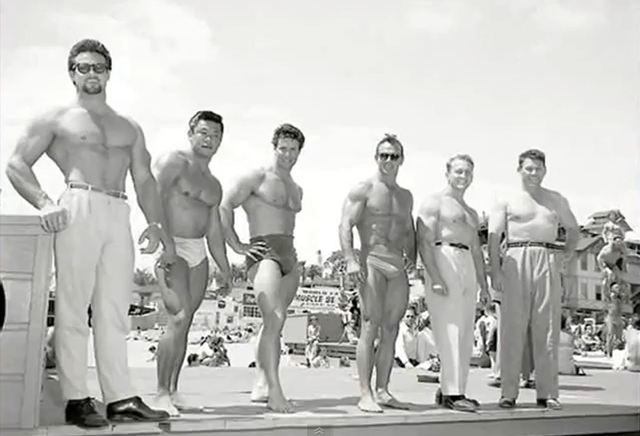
column 488, row 78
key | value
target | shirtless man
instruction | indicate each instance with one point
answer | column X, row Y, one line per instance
column 528, row 276
column 271, row 200
column 94, row 147
column 381, row 211
column 190, row 196
column 450, row 251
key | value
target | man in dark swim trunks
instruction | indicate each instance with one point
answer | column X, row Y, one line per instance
column 381, row 211
column 271, row 200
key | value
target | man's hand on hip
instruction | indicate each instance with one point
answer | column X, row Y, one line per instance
column 54, row 218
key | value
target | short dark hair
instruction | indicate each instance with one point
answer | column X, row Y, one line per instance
column 290, row 131
column 391, row 139
column 533, row 154
column 88, row 45
column 207, row 116
column 464, row 157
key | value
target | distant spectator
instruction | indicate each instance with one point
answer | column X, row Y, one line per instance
column 566, row 363
column 632, row 348
column 589, row 341
column 193, row 360
column 406, row 348
column 153, row 350
column 321, row 360
column 349, row 333
column 344, row 362
column 313, row 339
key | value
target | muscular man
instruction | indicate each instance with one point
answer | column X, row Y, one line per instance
column 450, row 251
column 528, row 276
column 271, row 200
column 381, row 211
column 190, row 196
column 94, row 147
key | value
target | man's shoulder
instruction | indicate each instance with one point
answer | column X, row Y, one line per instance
column 431, row 202
column 51, row 115
column 253, row 177
column 361, row 190
column 174, row 159
column 555, row 196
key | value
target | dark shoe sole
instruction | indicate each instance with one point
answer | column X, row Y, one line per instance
column 507, row 403
column 86, row 425
column 135, row 418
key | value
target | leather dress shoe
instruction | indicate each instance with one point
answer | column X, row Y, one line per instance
column 458, row 402
column 475, row 402
column 134, row 409
column 507, row 403
column 438, row 398
column 83, row 413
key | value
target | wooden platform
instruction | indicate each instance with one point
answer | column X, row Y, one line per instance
column 603, row 402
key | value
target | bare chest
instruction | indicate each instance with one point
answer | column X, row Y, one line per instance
column 199, row 186
column 108, row 134
column 280, row 193
column 387, row 201
column 453, row 212
column 524, row 210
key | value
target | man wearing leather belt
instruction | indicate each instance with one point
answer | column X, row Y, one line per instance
column 528, row 276
column 449, row 246
column 94, row 147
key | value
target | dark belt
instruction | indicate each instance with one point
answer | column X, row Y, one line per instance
column 549, row 245
column 453, row 244
column 87, row 187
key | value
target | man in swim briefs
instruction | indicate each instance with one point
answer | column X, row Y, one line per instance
column 381, row 211
column 190, row 197
column 271, row 200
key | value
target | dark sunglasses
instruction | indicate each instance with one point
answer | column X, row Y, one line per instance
column 84, row 68
column 388, row 156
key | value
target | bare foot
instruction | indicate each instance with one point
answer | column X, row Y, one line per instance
column 181, row 404
column 280, row 405
column 163, row 402
column 384, row 398
column 368, row 404
column 260, row 393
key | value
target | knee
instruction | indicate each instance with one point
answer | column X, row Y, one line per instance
column 274, row 320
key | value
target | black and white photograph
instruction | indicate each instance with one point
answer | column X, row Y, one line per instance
column 333, row 218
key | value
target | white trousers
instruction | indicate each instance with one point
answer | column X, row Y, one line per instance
column 452, row 317
column 94, row 265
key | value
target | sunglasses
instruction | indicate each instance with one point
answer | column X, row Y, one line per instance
column 388, row 156
column 84, row 68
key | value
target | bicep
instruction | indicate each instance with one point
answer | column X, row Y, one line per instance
column 427, row 221
column 497, row 218
column 34, row 141
column 352, row 210
column 140, row 158
column 239, row 192
column 167, row 170
column 567, row 218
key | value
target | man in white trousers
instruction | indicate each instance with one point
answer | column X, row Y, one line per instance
column 94, row 147
column 449, row 246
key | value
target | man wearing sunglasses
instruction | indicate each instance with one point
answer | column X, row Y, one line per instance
column 450, row 250
column 95, row 148
column 381, row 211
column 271, row 200
column 190, row 197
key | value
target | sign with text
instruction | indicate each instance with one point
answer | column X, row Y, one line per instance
column 316, row 298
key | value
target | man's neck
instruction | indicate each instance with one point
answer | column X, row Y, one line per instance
column 532, row 190
column 93, row 103
column 387, row 179
column 202, row 162
column 455, row 193
column 281, row 171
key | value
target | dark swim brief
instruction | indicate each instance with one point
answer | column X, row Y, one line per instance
column 279, row 249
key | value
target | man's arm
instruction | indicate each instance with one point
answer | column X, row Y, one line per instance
column 478, row 261
column 352, row 211
column 215, row 242
column 427, row 227
column 233, row 198
column 167, row 169
column 497, row 227
column 36, row 139
column 148, row 198
column 410, row 248
column 570, row 224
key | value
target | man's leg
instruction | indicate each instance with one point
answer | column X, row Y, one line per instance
column 198, row 277
column 466, row 319
column 110, row 315
column 371, row 300
column 394, row 306
column 545, row 331
column 514, row 320
column 76, row 258
column 267, row 284
column 174, row 287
